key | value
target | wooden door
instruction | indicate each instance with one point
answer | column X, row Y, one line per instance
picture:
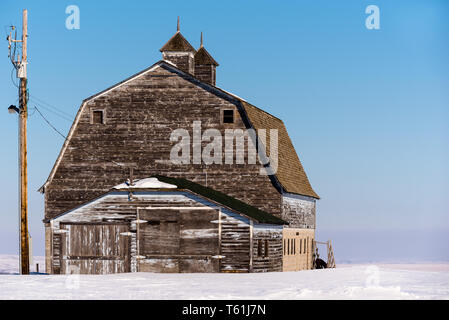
column 95, row 248
column 179, row 240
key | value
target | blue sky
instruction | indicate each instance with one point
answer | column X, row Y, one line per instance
column 367, row 110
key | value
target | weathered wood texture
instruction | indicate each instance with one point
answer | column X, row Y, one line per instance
column 139, row 118
column 267, row 249
column 57, row 253
column 206, row 73
column 48, row 249
column 178, row 232
column 92, row 248
column 299, row 210
column 178, row 240
column 183, row 60
column 235, row 245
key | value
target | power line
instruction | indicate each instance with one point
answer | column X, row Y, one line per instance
column 41, row 101
column 53, row 111
column 66, row 138
column 48, row 122
column 12, row 79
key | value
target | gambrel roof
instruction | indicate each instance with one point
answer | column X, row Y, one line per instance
column 290, row 173
column 290, row 176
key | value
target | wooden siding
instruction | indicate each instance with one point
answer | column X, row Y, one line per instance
column 139, row 118
column 300, row 211
column 95, row 248
column 267, row 248
column 235, row 245
column 57, row 253
column 178, row 240
column 297, row 249
column 179, row 232
column 48, row 249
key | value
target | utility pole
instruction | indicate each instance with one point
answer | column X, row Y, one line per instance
column 21, row 66
column 24, row 236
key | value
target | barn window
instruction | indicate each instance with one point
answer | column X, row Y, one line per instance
column 97, row 117
column 266, row 248
column 228, row 116
column 300, row 245
column 307, row 245
column 259, row 248
column 285, row 247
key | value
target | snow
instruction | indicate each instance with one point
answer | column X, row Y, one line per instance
column 363, row 281
column 147, row 183
column 169, row 62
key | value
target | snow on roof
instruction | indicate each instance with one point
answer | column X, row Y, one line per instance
column 147, row 183
column 169, row 62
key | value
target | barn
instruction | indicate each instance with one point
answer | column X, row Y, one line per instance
column 116, row 201
column 152, row 226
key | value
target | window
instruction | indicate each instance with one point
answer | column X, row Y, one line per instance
column 228, row 116
column 259, row 248
column 97, row 117
column 285, row 248
column 307, row 245
column 266, row 248
column 300, row 245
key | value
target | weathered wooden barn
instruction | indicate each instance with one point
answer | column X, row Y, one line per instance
column 174, row 217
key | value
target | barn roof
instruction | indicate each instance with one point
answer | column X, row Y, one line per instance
column 290, row 172
column 163, row 183
column 203, row 57
column 223, row 199
column 178, row 43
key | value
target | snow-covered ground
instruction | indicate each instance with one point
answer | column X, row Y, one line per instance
column 373, row 281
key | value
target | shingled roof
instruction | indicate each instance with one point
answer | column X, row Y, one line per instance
column 203, row 57
column 290, row 173
column 221, row 198
column 178, row 43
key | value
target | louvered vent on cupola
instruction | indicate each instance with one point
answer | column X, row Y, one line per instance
column 179, row 52
column 205, row 65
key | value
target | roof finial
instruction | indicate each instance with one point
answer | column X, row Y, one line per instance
column 178, row 24
column 201, row 39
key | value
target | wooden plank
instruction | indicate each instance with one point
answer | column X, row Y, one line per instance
column 251, row 249
column 98, row 249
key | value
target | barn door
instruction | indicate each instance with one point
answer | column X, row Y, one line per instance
column 95, row 248
column 178, row 240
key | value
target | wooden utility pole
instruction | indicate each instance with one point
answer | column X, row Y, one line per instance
column 23, row 115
